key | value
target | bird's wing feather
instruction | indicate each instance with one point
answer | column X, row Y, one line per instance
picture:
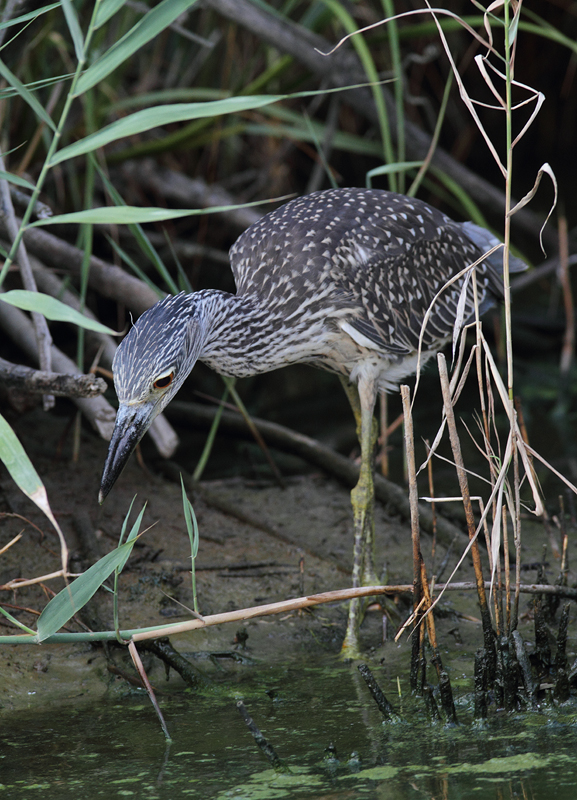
column 375, row 259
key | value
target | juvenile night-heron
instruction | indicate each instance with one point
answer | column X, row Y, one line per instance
column 340, row 279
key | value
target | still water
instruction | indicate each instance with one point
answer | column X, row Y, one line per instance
column 324, row 727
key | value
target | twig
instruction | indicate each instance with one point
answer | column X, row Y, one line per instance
column 41, row 210
column 141, row 671
column 18, row 583
column 339, row 596
column 163, row 649
column 263, row 744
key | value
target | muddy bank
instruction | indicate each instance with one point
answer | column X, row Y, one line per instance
column 298, row 542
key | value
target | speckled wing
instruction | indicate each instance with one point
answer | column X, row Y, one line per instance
column 403, row 261
column 374, row 259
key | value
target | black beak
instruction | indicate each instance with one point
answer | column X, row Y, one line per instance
column 132, row 422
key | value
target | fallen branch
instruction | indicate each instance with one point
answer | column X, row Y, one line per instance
column 34, row 381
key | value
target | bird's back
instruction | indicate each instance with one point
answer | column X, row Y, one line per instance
column 373, row 258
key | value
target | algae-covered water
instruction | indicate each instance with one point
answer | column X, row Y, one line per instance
column 324, row 727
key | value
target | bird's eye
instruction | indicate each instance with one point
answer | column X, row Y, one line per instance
column 163, row 382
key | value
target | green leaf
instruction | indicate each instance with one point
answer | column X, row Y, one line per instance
column 127, row 215
column 158, row 18
column 133, row 532
column 22, row 472
column 73, row 597
column 30, row 15
column 194, row 537
column 16, row 622
column 52, row 309
column 16, row 179
column 18, row 464
column 386, row 169
column 158, row 116
column 191, row 523
column 74, row 28
column 106, row 9
column 27, row 96
column 35, row 85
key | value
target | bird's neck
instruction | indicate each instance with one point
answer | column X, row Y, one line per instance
column 239, row 334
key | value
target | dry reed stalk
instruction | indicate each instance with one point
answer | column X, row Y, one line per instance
column 422, row 601
column 516, row 528
column 464, row 487
column 417, row 650
column 413, row 496
column 134, row 654
column 498, row 593
column 568, row 350
column 564, row 569
column 433, row 511
column 507, row 570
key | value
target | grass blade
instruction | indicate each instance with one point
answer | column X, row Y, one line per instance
column 30, row 15
column 19, row 465
column 127, row 215
column 74, row 28
column 106, row 10
column 160, row 17
column 22, row 472
column 16, row 179
column 27, row 96
column 158, row 116
column 52, row 309
column 73, row 597
column 194, row 537
column 16, row 622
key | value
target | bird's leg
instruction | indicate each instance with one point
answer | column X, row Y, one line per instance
column 363, row 501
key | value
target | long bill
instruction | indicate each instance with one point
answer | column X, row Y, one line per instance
column 131, row 424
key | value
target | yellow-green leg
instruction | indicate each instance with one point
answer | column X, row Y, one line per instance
column 362, row 402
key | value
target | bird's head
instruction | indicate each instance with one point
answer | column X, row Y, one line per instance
column 149, row 367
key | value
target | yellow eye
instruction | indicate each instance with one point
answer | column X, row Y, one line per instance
column 164, row 382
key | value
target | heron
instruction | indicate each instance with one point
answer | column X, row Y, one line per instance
column 341, row 279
